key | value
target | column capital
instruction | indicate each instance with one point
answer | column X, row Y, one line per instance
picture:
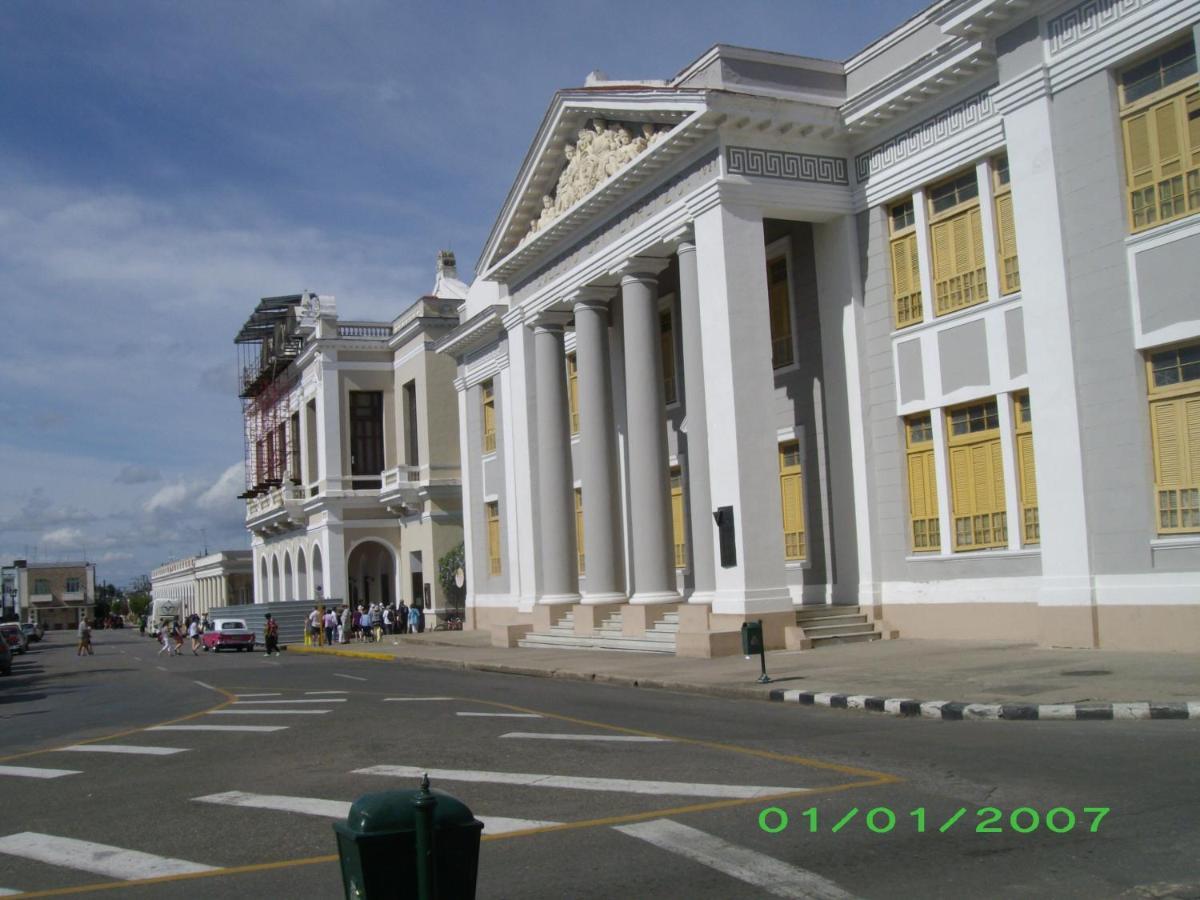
column 548, row 320
column 596, row 296
column 640, row 268
column 682, row 239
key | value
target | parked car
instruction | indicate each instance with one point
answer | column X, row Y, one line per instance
column 5, row 658
column 228, row 634
column 15, row 637
column 33, row 632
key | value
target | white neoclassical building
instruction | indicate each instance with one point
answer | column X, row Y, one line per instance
column 351, row 449
column 201, row 583
column 904, row 343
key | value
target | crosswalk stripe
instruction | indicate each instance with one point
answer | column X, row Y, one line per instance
column 125, row 748
column 324, row 700
column 412, row 699
column 100, row 859
column 500, row 715
column 8, row 892
column 258, row 728
column 240, row 696
column 269, row 712
column 351, row 677
column 616, row 785
column 339, row 809
column 617, row 738
column 32, row 772
column 314, row 693
column 764, row 872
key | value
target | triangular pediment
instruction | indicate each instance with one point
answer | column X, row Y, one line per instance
column 592, row 144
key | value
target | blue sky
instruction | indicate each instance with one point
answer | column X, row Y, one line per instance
column 164, row 165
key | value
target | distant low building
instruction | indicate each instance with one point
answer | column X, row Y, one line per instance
column 55, row 594
column 224, row 578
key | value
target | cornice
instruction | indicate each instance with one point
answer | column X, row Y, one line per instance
column 480, row 329
column 1021, row 90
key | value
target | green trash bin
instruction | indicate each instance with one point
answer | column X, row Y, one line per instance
column 378, row 848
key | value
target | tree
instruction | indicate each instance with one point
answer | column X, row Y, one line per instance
column 138, row 604
column 448, row 565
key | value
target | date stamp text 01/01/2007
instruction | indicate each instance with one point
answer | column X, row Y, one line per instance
column 988, row 820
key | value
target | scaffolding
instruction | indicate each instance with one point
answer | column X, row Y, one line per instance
column 268, row 344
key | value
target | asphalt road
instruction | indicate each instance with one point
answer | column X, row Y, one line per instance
column 675, row 813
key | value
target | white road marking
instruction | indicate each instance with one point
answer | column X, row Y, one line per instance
column 314, row 700
column 162, row 668
column 339, row 809
column 209, row 686
column 315, row 693
column 8, row 892
column 412, row 699
column 766, row 873
column 351, row 677
column 138, row 658
column 500, row 715
column 31, row 772
column 125, row 748
column 617, row 738
column 218, row 728
column 269, row 712
column 276, row 694
column 616, row 785
column 101, row 859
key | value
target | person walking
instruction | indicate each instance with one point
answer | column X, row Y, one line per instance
column 310, row 630
column 194, row 634
column 271, row 635
column 377, row 622
column 402, row 617
column 414, row 618
column 330, row 624
column 85, row 638
column 387, row 620
column 164, row 637
column 346, row 624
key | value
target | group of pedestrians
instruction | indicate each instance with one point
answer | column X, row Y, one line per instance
column 346, row 623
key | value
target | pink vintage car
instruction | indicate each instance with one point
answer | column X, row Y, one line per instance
column 227, row 634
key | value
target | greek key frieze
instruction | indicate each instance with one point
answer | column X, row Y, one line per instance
column 1086, row 19
column 809, row 167
column 933, row 130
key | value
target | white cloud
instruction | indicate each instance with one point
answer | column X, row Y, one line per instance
column 63, row 537
column 168, row 497
column 224, row 491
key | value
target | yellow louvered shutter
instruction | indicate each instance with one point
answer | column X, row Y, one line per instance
column 1192, row 116
column 791, row 489
column 579, row 528
column 677, row 523
column 1166, row 132
column 1027, row 477
column 1191, row 417
column 1139, row 166
column 1168, row 462
column 960, row 481
column 918, row 490
column 906, row 281
column 493, row 531
column 1006, row 236
column 573, row 391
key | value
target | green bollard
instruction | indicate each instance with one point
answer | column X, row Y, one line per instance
column 425, row 803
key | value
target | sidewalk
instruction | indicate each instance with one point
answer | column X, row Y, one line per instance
column 984, row 679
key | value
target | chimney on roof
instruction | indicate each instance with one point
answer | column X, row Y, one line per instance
column 446, row 267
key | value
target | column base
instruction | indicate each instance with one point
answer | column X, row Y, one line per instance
column 647, row 598
column 597, row 599
column 557, row 599
column 702, row 597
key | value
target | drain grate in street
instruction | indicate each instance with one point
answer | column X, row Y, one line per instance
column 1087, row 672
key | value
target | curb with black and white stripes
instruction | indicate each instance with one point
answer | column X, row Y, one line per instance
column 949, row 710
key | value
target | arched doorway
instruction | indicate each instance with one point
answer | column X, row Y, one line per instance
column 263, row 596
column 288, row 582
column 370, row 574
column 274, row 579
column 301, row 576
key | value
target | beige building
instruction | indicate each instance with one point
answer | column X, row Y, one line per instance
column 352, row 468
column 200, row 583
column 56, row 594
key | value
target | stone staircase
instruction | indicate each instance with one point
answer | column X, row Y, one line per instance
column 561, row 635
column 825, row 625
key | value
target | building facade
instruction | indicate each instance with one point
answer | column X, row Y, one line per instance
column 201, row 583
column 352, row 466
column 915, row 332
column 55, row 595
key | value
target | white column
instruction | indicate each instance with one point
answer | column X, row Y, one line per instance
column 941, row 477
column 335, row 561
column 924, row 252
column 522, row 529
column 302, row 441
column 840, row 302
column 471, row 504
column 738, row 385
column 1067, row 594
column 987, row 216
column 329, row 435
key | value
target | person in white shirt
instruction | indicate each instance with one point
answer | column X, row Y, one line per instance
column 194, row 634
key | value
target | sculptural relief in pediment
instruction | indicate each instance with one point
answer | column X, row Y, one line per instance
column 601, row 149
